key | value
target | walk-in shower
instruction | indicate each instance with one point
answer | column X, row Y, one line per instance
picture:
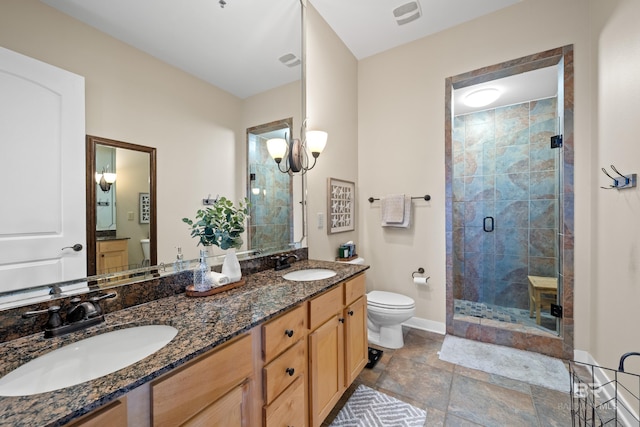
column 509, row 175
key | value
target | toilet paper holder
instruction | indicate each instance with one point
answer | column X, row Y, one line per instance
column 420, row 280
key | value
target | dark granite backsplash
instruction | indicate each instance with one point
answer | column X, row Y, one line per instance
column 13, row 326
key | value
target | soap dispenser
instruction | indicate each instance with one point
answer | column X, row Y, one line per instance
column 201, row 278
column 179, row 264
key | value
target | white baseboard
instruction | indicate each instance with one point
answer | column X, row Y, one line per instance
column 426, row 325
column 626, row 413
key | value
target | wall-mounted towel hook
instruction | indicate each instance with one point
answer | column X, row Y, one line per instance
column 208, row 201
column 621, row 182
column 420, row 271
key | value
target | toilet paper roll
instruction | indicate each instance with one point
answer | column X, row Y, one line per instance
column 420, row 280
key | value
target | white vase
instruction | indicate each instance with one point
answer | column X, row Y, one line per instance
column 231, row 266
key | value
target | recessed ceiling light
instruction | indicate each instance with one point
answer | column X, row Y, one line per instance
column 481, row 97
column 407, row 12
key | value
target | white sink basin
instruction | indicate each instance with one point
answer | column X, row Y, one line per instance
column 86, row 360
column 309, row 274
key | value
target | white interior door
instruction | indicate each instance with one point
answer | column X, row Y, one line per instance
column 42, row 173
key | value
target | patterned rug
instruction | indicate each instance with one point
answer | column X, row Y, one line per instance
column 369, row 408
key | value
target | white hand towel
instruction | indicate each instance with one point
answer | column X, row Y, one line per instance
column 392, row 209
column 406, row 222
column 218, row 279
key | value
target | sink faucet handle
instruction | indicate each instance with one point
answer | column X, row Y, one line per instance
column 101, row 297
column 95, row 300
column 54, row 316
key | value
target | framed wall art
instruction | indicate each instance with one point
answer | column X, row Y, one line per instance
column 145, row 208
column 340, row 205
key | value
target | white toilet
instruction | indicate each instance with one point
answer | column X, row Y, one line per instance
column 146, row 252
column 385, row 313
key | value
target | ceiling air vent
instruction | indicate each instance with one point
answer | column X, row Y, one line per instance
column 290, row 60
column 407, row 12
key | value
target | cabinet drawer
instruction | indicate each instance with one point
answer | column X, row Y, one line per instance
column 354, row 289
column 288, row 409
column 185, row 392
column 283, row 371
column 112, row 246
column 281, row 333
column 323, row 307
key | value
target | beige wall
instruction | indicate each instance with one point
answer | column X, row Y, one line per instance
column 331, row 106
column 616, row 241
column 401, row 136
column 133, row 179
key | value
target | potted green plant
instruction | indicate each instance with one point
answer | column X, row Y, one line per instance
column 222, row 225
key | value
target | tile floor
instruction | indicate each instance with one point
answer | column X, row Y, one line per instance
column 457, row 396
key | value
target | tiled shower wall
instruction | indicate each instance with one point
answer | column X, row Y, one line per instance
column 271, row 209
column 503, row 167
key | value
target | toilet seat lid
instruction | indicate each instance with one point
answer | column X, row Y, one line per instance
column 389, row 300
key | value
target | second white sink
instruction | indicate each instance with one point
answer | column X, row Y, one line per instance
column 309, row 274
column 86, row 360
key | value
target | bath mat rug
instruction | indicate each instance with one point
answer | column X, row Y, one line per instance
column 526, row 366
column 370, row 408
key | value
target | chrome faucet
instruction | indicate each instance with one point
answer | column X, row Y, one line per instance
column 282, row 261
column 79, row 316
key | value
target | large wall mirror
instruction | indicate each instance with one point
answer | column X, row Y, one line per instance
column 111, row 219
column 121, row 206
column 276, row 199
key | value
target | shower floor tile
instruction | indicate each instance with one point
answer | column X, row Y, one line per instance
column 503, row 314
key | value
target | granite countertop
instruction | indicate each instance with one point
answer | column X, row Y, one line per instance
column 202, row 323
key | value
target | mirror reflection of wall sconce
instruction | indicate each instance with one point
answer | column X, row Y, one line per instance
column 105, row 180
column 295, row 151
column 254, row 190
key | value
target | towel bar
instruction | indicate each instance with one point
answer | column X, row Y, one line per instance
column 425, row 197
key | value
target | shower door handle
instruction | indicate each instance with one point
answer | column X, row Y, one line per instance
column 487, row 224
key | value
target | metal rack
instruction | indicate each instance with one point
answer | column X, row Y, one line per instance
column 603, row 396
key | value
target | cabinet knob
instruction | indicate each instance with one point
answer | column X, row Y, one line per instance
column 341, row 320
column 288, row 332
column 290, row 371
column 350, row 312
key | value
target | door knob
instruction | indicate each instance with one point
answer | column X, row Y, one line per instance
column 77, row 247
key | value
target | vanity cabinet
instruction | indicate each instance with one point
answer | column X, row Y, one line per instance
column 356, row 342
column 112, row 256
column 213, row 390
column 337, row 345
column 284, row 372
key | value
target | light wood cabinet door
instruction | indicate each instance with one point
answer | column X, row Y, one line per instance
column 355, row 339
column 184, row 393
column 225, row 412
column 326, row 368
column 113, row 414
column 112, row 256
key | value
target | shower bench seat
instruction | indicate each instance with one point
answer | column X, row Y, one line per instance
column 542, row 290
